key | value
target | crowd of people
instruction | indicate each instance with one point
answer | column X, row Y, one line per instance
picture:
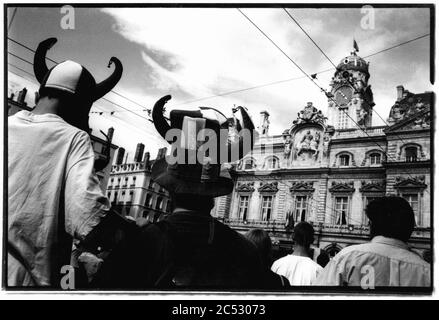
column 58, row 216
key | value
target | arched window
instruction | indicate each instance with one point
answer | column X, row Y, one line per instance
column 344, row 160
column 375, row 158
column 249, row 164
column 272, row 163
column 411, row 154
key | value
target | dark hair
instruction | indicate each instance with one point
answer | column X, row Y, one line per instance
column 391, row 217
column 74, row 109
column 192, row 201
column 303, row 234
column 262, row 241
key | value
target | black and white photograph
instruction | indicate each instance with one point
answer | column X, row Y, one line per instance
column 217, row 148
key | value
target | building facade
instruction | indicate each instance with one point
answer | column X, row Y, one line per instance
column 325, row 169
column 132, row 191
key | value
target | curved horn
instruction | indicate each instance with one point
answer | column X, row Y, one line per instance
column 246, row 136
column 106, row 85
column 40, row 66
column 160, row 123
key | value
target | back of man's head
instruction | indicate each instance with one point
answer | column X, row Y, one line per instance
column 193, row 202
column 303, row 234
column 391, row 217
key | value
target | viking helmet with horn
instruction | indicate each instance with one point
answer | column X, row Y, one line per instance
column 206, row 178
column 73, row 79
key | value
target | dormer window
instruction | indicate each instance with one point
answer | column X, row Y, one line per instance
column 411, row 154
column 272, row 163
column 344, row 160
column 249, row 164
column 375, row 159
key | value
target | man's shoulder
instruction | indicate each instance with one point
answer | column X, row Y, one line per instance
column 378, row 250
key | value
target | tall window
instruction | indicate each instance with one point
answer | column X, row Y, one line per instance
column 413, row 200
column 300, row 209
column 375, row 158
column 267, row 206
column 341, row 210
column 342, row 118
column 115, row 198
column 243, row 207
column 158, row 205
column 344, row 160
column 411, row 154
column 148, row 200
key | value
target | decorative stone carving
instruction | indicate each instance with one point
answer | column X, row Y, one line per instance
column 416, row 182
column 268, row 187
column 302, row 186
column 342, row 187
column 245, row 187
column 310, row 114
column 373, row 186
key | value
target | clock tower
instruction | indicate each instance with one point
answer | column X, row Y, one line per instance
column 350, row 96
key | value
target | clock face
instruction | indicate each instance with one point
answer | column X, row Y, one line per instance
column 343, row 95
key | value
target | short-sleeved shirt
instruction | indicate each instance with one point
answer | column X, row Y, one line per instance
column 300, row 271
column 382, row 262
column 53, row 195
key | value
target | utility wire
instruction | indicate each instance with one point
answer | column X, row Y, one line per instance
column 298, row 24
column 28, row 48
column 321, row 89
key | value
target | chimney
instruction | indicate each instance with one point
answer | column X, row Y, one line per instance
column 22, row 96
column 110, row 133
column 120, row 155
column 399, row 92
column 263, row 128
column 146, row 160
column 139, row 152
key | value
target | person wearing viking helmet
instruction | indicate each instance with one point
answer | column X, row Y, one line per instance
column 53, row 191
column 189, row 248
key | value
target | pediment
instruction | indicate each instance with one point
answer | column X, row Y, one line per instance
column 342, row 187
column 268, row 187
column 372, row 187
column 302, row 187
column 245, row 187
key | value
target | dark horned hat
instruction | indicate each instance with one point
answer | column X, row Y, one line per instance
column 72, row 78
column 206, row 178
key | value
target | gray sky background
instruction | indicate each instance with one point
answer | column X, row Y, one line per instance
column 197, row 53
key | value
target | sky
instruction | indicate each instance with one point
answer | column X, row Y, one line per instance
column 197, row 53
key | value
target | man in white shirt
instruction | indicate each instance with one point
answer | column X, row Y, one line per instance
column 298, row 267
column 387, row 259
column 53, row 191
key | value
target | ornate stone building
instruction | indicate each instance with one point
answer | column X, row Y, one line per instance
column 132, row 191
column 325, row 170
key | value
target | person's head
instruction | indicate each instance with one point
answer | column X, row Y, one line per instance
column 71, row 86
column 192, row 202
column 262, row 241
column 70, row 108
column 303, row 235
column 391, row 217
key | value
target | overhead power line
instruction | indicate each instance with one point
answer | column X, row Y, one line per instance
column 321, row 89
